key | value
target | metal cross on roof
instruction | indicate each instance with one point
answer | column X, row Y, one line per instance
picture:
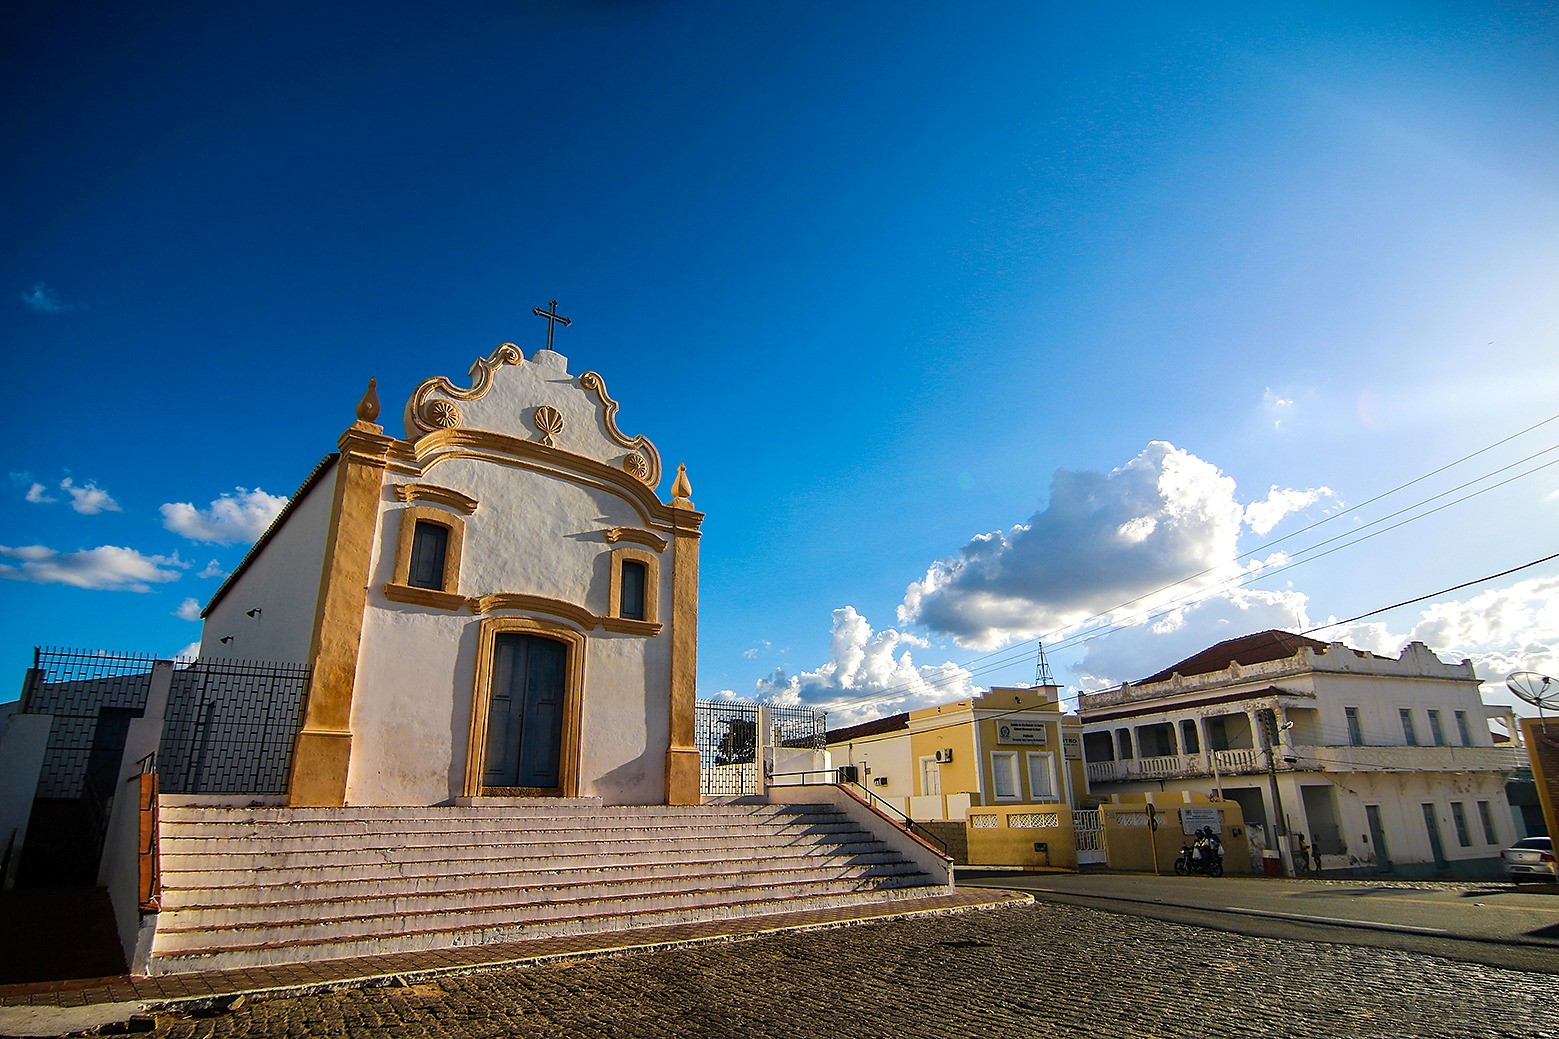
column 553, row 320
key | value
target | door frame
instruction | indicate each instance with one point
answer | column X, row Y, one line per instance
column 482, row 690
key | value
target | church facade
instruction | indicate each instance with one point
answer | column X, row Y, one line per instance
column 495, row 604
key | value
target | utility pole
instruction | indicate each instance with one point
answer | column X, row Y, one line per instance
column 1269, row 736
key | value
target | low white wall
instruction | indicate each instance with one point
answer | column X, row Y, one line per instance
column 933, row 862
column 119, row 870
column 22, row 746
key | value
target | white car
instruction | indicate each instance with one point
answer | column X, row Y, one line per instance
column 1531, row 859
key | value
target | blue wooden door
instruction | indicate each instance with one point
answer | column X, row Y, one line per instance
column 525, row 712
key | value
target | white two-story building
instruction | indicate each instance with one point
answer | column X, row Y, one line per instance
column 1381, row 764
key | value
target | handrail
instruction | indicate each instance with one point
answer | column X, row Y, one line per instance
column 871, row 800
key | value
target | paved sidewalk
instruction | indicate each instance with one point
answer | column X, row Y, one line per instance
column 119, row 992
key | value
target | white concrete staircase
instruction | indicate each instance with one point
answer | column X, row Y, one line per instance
column 246, row 887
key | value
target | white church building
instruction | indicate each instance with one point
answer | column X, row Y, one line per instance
column 483, row 601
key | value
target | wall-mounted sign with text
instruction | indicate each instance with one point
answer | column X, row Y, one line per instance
column 1073, row 746
column 1018, row 730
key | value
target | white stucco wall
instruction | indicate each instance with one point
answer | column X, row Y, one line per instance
column 282, row 580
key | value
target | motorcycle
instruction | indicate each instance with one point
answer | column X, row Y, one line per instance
column 1200, row 858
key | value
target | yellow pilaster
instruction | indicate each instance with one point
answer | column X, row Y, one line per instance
column 324, row 747
column 682, row 765
column 1542, row 740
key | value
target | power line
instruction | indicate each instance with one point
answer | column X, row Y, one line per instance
column 1443, row 591
column 1007, row 655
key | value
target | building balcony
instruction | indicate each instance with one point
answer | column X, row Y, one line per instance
column 1309, row 759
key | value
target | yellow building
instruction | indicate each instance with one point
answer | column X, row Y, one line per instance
column 1007, row 747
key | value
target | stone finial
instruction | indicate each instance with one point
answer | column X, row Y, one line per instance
column 681, row 490
column 368, row 407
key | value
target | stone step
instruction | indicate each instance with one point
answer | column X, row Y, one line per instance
column 540, row 809
column 175, row 937
column 385, row 836
column 178, row 856
column 304, row 903
column 262, row 954
column 184, row 887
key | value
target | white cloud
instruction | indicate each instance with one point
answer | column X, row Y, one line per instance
column 188, row 654
column 212, row 569
column 870, row 664
column 105, row 567
column 1131, row 653
column 1262, row 516
column 38, row 494
column 44, row 300
column 233, row 518
column 88, row 499
column 1501, row 630
column 1104, row 540
column 1277, row 408
column 189, row 610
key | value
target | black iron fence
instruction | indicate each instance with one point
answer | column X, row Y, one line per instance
column 230, row 727
column 92, row 697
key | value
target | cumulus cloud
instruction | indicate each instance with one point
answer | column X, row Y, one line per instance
column 1515, row 628
column 1103, row 540
column 1130, row 653
column 105, row 567
column 238, row 517
column 88, row 499
column 863, row 663
column 1262, row 516
column 38, row 494
column 189, row 610
column 44, row 300
column 212, row 569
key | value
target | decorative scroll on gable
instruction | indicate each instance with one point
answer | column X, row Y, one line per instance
column 535, row 400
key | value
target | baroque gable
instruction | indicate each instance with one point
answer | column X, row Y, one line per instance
column 534, row 400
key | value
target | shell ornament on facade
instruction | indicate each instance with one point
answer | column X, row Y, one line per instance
column 548, row 422
column 443, row 414
column 637, row 465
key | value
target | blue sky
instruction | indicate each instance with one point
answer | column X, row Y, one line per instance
column 876, row 272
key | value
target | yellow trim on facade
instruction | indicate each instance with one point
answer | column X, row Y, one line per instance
column 410, row 492
column 418, row 414
column 409, row 516
column 651, row 584
column 481, row 698
column 592, row 382
column 682, row 761
column 418, row 458
column 482, row 604
column 424, row 597
column 643, row 537
column 322, row 756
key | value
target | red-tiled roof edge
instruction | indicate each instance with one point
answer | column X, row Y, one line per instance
column 304, row 488
column 875, row 727
column 1255, row 648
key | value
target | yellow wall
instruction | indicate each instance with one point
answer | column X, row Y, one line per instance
column 959, row 775
column 1129, row 847
column 1006, row 836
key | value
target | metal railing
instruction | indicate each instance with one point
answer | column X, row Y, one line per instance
column 870, row 800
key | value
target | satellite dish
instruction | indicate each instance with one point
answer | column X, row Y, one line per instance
column 1538, row 690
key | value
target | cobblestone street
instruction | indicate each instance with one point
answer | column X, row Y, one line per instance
column 1009, row 972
